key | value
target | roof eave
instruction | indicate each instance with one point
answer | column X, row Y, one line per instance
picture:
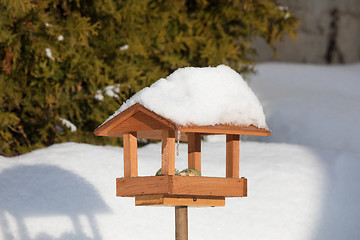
column 105, row 129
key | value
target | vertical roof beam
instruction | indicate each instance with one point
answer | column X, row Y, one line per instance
column 232, row 155
column 130, row 154
column 168, row 152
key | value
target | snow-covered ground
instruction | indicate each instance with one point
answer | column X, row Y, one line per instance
column 311, row 105
column 303, row 182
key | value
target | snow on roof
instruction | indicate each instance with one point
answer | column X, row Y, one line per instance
column 201, row 96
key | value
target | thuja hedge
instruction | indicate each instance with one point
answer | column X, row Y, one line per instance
column 67, row 65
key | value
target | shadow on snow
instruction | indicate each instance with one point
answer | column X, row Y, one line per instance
column 46, row 190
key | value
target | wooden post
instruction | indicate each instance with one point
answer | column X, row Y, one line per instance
column 194, row 151
column 168, row 152
column 181, row 223
column 232, row 155
column 130, row 154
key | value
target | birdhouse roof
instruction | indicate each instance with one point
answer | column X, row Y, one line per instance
column 211, row 100
column 149, row 125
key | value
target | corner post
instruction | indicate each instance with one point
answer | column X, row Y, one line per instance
column 130, row 154
column 194, row 151
column 168, row 152
column 232, row 155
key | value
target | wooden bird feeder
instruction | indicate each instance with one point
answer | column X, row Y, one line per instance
column 170, row 189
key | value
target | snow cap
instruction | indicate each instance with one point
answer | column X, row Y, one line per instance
column 201, row 96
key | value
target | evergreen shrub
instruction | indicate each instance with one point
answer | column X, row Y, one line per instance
column 66, row 65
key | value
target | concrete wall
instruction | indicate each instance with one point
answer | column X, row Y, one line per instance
column 329, row 30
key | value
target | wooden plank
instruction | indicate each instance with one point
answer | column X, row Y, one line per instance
column 172, row 201
column 183, row 137
column 227, row 129
column 149, row 200
column 168, row 152
column 136, row 186
column 207, row 186
column 194, row 151
column 181, row 223
column 198, row 201
column 130, row 155
column 104, row 129
column 157, row 135
column 153, row 134
column 139, row 121
column 108, row 127
column 232, row 155
column 150, row 134
column 181, row 185
column 245, row 186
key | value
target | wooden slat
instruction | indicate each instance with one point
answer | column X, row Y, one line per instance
column 183, row 137
column 107, row 128
column 245, row 186
column 150, row 134
column 154, row 135
column 181, row 185
column 168, row 152
column 130, row 155
column 149, row 200
column 137, row 186
column 226, row 129
column 194, row 151
column 164, row 200
column 232, row 155
column 104, row 129
column 139, row 121
column 207, row 186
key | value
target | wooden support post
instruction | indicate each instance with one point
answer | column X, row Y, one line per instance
column 232, row 155
column 194, row 151
column 181, row 223
column 130, row 154
column 168, row 152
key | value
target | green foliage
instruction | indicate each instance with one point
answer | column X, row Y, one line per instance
column 60, row 57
